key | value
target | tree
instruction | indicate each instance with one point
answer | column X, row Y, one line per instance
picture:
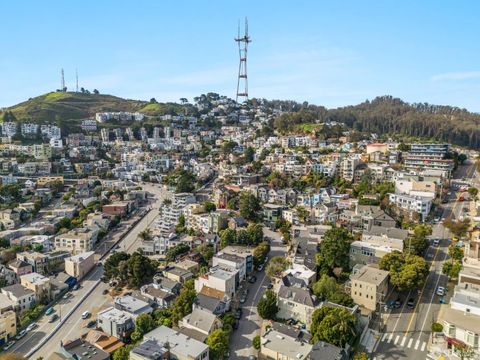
column 325, row 287
column 227, row 237
column 267, row 306
column 473, row 191
column 464, row 351
column 455, row 253
column 249, row 154
column 110, row 266
column 183, row 303
column 249, row 206
column 412, row 274
column 403, row 147
column 255, row 233
column 173, row 252
column 462, row 158
column 143, row 324
column 392, row 262
column 457, row 228
column 256, row 342
column 302, row 213
column 145, row 235
column 451, row 269
column 123, row 353
column 334, row 251
column 336, row 326
column 209, row 206
column 136, row 270
column 260, row 253
column 276, row 266
column 361, row 356
column 96, row 92
column 437, row 327
column 418, row 242
column 218, row 344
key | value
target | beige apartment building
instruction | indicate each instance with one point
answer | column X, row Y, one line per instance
column 369, row 286
column 79, row 265
column 8, row 319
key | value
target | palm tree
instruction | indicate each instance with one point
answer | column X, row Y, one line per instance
column 145, row 235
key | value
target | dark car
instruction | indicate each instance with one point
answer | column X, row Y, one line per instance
column 269, row 286
column 411, row 303
column 252, row 279
column 238, row 313
column 105, row 292
column 397, row 304
column 91, row 323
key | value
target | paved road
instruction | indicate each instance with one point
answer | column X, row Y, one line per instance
column 249, row 325
column 90, row 297
column 407, row 330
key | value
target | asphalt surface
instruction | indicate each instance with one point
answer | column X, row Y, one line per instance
column 89, row 297
column 249, row 325
column 407, row 331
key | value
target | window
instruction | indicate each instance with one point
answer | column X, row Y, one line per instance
column 471, row 338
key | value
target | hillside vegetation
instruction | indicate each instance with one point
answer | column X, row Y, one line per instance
column 60, row 106
column 393, row 117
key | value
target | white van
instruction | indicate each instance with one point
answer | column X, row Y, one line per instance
column 86, row 314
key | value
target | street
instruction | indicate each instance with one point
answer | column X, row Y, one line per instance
column 249, row 325
column 407, row 331
column 46, row 338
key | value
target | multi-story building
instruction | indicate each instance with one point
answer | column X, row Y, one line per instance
column 39, row 284
column 89, row 125
column 79, row 265
column 412, row 204
column 8, row 319
column 116, row 322
column 429, row 156
column 348, row 167
column 77, row 241
column 369, row 286
column 21, row 297
column 219, row 278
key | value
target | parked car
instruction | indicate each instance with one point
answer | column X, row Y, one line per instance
column 76, row 287
column 252, row 279
column 86, row 314
column 31, row 327
column 440, row 291
column 91, row 323
column 398, row 303
column 238, row 313
column 53, row 318
column 269, row 286
column 411, row 303
column 260, row 267
column 9, row 345
column 21, row 334
column 49, row 311
column 436, row 242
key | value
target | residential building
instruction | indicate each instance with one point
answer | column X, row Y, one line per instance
column 116, row 322
column 151, row 350
column 81, row 349
column 8, row 319
column 412, row 204
column 222, row 279
column 79, row 265
column 77, row 241
column 132, row 305
column 182, row 347
column 103, row 341
column 199, row 324
column 178, row 274
column 284, row 343
column 297, row 303
column 39, row 284
column 21, row 297
column 369, row 286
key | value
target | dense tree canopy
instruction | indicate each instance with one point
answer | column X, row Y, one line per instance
column 334, row 251
column 267, row 306
column 333, row 325
column 407, row 272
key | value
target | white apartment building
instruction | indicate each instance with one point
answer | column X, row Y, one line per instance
column 348, row 167
column 51, row 131
column 412, row 203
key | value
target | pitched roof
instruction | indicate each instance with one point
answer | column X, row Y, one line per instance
column 296, row 294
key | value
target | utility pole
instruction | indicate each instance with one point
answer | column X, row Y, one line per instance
column 242, row 41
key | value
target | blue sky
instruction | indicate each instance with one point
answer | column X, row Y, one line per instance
column 332, row 53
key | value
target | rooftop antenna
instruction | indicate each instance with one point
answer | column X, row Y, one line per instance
column 62, row 87
column 242, row 81
column 76, row 78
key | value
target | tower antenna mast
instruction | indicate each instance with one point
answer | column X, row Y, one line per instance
column 76, row 80
column 242, row 80
column 62, row 88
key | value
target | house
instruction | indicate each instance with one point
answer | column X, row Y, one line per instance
column 21, row 297
column 8, row 319
column 119, row 208
column 188, row 265
column 199, row 324
column 212, row 300
column 168, row 285
column 103, row 341
column 222, row 279
column 132, row 305
column 151, row 350
column 115, row 322
column 297, row 303
column 237, row 222
column 79, row 265
column 285, row 343
column 20, row 267
column 369, row 286
column 231, row 261
column 181, row 347
column 271, row 213
column 81, row 349
column 241, row 251
column 322, row 350
column 162, row 298
column 39, row 284
column 177, row 274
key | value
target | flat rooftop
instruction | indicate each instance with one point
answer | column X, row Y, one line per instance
column 370, row 275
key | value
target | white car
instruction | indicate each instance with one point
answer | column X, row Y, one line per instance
column 9, row 345
column 31, row 327
column 440, row 291
column 86, row 314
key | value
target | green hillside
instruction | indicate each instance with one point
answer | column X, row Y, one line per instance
column 59, row 106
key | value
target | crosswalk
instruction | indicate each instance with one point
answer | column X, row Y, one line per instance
column 404, row 341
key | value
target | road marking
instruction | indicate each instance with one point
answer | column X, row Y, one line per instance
column 396, row 339
column 390, row 338
column 416, row 344
column 423, row 346
column 384, row 336
column 403, row 341
column 423, row 288
column 410, row 343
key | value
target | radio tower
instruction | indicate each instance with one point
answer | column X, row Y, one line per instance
column 62, row 88
column 242, row 91
column 76, row 80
